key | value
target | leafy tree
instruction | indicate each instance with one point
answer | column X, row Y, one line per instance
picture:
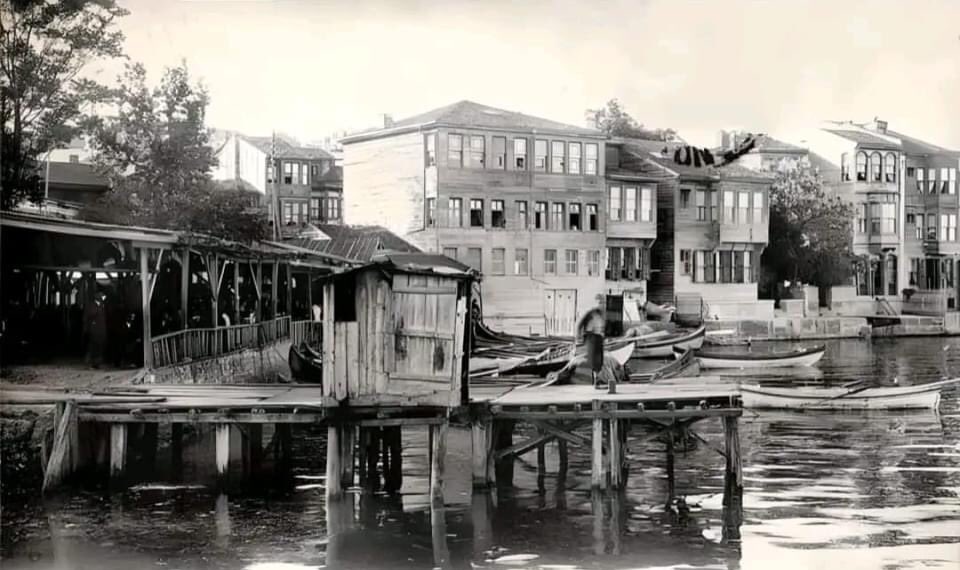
column 156, row 151
column 45, row 46
column 615, row 121
column 811, row 231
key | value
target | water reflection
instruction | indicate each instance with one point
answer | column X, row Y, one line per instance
column 856, row 490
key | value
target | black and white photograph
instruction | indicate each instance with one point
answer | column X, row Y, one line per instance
column 479, row 284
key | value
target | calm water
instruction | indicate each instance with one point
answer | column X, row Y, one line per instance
column 878, row 490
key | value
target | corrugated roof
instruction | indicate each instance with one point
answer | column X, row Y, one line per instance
column 286, row 150
column 867, row 139
column 470, row 114
column 75, row 174
column 359, row 243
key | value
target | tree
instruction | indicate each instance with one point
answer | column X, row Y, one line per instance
column 811, row 231
column 615, row 121
column 45, row 47
column 156, row 151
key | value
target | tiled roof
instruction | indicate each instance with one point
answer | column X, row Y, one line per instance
column 360, row 243
column 470, row 114
column 286, row 150
column 766, row 143
column 75, row 174
column 867, row 139
column 913, row 145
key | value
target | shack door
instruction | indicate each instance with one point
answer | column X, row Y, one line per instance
column 428, row 320
column 560, row 310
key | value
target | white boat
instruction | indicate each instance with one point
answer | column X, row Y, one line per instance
column 924, row 396
column 739, row 360
column 663, row 347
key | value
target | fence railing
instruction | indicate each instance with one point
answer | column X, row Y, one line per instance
column 196, row 344
column 309, row 332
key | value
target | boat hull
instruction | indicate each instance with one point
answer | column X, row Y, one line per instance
column 664, row 348
column 895, row 398
column 713, row 363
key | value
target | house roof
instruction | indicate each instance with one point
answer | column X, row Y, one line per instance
column 913, row 145
column 470, row 114
column 75, row 174
column 358, row 243
column 284, row 149
column 866, row 139
column 423, row 263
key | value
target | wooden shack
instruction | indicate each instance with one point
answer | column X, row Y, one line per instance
column 397, row 333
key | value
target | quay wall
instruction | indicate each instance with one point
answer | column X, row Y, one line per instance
column 812, row 328
column 264, row 365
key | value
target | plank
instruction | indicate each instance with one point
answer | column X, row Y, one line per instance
column 339, row 378
column 438, row 452
column 353, row 359
column 596, row 471
column 329, row 370
column 118, row 450
column 60, row 464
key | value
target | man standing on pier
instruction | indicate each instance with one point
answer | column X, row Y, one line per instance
column 595, row 367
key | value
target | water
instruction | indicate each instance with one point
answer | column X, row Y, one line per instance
column 822, row 490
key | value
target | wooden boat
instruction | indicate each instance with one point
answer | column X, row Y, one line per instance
column 663, row 347
column 305, row 365
column 683, row 365
column 712, row 359
column 924, row 396
column 552, row 361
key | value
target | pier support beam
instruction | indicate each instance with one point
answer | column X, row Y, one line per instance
column 148, row 449
column 563, row 460
column 481, row 435
column 733, row 482
column 334, row 471
column 118, row 451
column 348, row 435
column 222, row 442
column 438, row 451
column 503, row 434
column 176, row 451
column 596, row 472
column 541, row 467
column 392, row 458
column 616, row 455
column 369, row 458
column 253, row 450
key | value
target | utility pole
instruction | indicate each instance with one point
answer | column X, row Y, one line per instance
column 274, row 199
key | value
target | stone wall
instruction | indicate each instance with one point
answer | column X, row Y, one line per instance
column 264, row 365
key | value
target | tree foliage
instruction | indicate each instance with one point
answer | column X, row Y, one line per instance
column 615, row 121
column 811, row 231
column 156, row 151
column 45, row 46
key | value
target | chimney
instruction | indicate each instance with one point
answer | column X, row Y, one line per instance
column 879, row 126
column 387, row 120
column 590, row 118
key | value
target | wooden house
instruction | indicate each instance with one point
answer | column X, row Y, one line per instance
column 396, row 333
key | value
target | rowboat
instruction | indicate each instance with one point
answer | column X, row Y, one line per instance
column 663, row 347
column 683, row 365
column 924, row 396
column 716, row 359
column 553, row 362
column 305, row 365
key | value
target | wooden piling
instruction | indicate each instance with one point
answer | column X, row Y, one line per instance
column 372, row 457
column 282, row 452
column 60, row 464
column 253, row 451
column 438, row 451
column 482, row 452
column 562, row 460
column 334, row 456
column 363, row 445
column 596, row 472
column 118, row 451
column 733, row 482
column 438, row 533
column 481, row 511
column 148, row 449
column 541, row 467
column 347, row 454
column 503, row 434
column 671, row 481
column 393, row 452
column 222, row 441
column 176, row 450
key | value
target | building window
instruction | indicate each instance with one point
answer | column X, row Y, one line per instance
column 931, row 180
column 478, row 151
column 593, row 218
column 590, row 166
column 862, row 218
column 704, row 270
column 295, row 212
column 728, row 207
column 522, row 215
column 917, row 221
column 593, row 262
column 314, row 170
column 883, row 218
column 862, row 166
column 556, row 217
column 288, row 173
column 474, row 258
column 455, row 212
column 571, row 257
column 270, row 172
column 557, row 157
column 455, row 151
column 920, row 180
column 431, row 212
column 497, row 256
column 497, row 217
column 615, row 203
column 944, row 180
column 743, row 207
column 612, row 271
column 890, row 162
column 748, row 276
column 630, row 204
column 845, row 167
column 499, row 153
column 646, row 204
column 431, row 146
column 628, row 266
column 948, row 227
column 726, row 266
column 876, row 167
column 952, row 181
column 333, row 209
column 891, row 274
column 574, row 165
column 314, row 208
column 520, row 265
column 757, row 207
column 702, row 206
column 450, row 252
column 540, row 155
column 476, row 213
column 931, row 227
column 520, row 154
column 540, row 216
column 304, row 175
column 685, row 262
column 684, row 198
column 573, row 218
column 550, row 262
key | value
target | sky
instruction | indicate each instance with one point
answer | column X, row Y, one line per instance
column 310, row 68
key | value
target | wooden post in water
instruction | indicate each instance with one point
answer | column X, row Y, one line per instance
column 363, row 446
column 438, row 451
column 596, row 472
column 616, row 452
column 733, row 481
column 176, row 450
column 348, row 435
column 541, row 467
column 118, row 451
column 393, row 453
column 148, row 448
column 503, row 433
column 371, row 458
column 334, row 456
column 60, row 464
column 222, row 440
column 481, row 439
column 562, row 456
column 438, row 531
column 253, row 450
column 282, row 452
column 671, row 481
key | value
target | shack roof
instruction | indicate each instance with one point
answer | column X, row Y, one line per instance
column 432, row 264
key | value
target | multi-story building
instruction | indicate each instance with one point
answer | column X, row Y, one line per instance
column 520, row 198
column 296, row 184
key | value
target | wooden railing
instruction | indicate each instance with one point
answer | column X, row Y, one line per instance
column 196, row 344
column 309, row 332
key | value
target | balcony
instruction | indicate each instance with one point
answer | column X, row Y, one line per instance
column 871, row 186
column 722, row 232
column 632, row 230
column 933, row 246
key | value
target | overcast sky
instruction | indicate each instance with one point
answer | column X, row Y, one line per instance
column 311, row 67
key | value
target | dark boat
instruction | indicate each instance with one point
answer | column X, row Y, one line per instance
column 305, row 365
column 685, row 364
